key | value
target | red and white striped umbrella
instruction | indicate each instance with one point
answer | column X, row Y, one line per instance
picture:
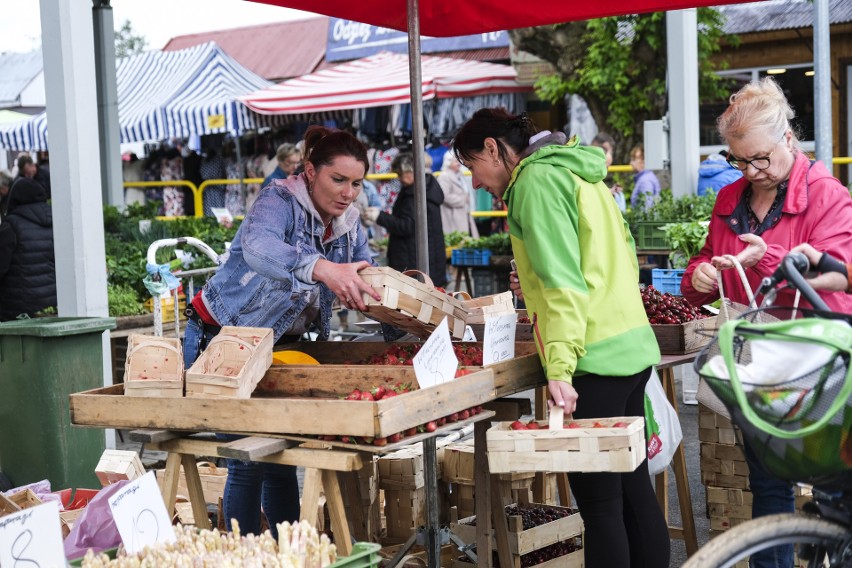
column 380, row 80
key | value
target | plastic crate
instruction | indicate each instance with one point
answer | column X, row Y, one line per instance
column 667, row 280
column 364, row 555
column 649, row 235
column 471, row 257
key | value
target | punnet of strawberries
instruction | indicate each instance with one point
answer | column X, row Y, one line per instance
column 663, row 308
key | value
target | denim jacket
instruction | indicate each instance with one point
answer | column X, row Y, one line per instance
column 266, row 280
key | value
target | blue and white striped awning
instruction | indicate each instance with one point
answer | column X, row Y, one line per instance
column 169, row 94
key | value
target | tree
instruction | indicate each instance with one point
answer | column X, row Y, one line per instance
column 618, row 65
column 127, row 42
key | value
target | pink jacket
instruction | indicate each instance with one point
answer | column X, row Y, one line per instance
column 817, row 210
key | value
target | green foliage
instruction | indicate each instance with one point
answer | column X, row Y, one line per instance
column 127, row 42
column 455, row 238
column 124, row 301
column 685, row 240
column 497, row 243
column 551, row 88
column 668, row 208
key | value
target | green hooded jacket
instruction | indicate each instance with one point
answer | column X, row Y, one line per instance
column 577, row 264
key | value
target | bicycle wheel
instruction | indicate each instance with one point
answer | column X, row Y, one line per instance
column 813, row 538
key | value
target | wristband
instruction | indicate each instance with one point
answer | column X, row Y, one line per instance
column 828, row 263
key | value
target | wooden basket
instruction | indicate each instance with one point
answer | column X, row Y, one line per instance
column 679, row 339
column 153, row 367
column 232, row 365
column 477, row 309
column 585, row 448
column 411, row 305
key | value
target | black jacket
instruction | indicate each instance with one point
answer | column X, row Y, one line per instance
column 27, row 261
column 402, row 249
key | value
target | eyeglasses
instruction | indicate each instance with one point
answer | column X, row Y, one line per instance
column 760, row 164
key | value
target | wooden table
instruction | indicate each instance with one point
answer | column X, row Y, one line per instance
column 684, row 496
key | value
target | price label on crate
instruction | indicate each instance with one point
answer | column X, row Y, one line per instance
column 498, row 342
column 436, row 362
column 140, row 514
column 32, row 537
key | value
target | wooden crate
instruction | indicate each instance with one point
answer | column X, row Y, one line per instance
column 477, row 309
column 678, row 339
column 25, row 499
column 300, row 401
column 573, row 449
column 232, row 365
column 405, row 510
column 723, row 459
column 403, row 469
column 523, row 331
column 525, row 541
column 411, row 305
column 512, row 376
column 716, row 429
column 213, row 480
column 153, row 366
column 119, row 465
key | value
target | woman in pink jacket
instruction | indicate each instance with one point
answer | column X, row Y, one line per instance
column 782, row 200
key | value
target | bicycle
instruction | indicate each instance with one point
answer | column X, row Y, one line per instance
column 800, row 425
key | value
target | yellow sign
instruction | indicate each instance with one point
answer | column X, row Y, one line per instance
column 216, row 121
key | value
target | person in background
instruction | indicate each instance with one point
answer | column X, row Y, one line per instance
column 27, row 168
column 607, row 143
column 455, row 210
column 289, row 159
column 647, row 186
column 27, row 260
column 579, row 276
column 400, row 223
column 783, row 199
column 299, row 248
column 833, row 276
column 714, row 173
column 5, row 185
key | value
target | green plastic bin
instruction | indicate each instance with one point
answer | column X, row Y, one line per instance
column 42, row 361
column 364, row 555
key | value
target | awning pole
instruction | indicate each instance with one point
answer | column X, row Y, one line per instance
column 420, row 228
column 822, row 84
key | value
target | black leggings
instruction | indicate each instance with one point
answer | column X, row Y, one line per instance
column 625, row 527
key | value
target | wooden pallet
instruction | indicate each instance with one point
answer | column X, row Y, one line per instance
column 585, row 448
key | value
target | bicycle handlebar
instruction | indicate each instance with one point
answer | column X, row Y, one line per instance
column 792, row 269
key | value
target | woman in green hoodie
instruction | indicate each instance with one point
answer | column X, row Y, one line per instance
column 577, row 267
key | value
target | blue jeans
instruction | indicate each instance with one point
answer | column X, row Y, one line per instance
column 250, row 484
column 769, row 496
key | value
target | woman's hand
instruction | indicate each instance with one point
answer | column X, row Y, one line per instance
column 562, row 394
column 830, row 281
column 343, row 280
column 515, row 285
column 748, row 257
column 704, row 277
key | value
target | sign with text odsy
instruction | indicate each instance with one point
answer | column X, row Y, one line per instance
column 140, row 514
column 436, row 362
column 498, row 342
column 32, row 538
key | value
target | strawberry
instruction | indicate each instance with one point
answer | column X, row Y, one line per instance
column 619, row 425
column 394, row 438
column 380, row 441
column 574, row 425
column 431, row 426
column 380, row 393
column 598, row 425
column 328, row 438
column 464, row 414
column 442, row 420
column 462, row 372
column 518, row 425
column 367, row 395
column 346, row 439
column 389, row 393
column 411, row 431
column 454, row 417
column 532, row 425
column 354, row 395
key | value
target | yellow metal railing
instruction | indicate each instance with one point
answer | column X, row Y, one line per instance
column 198, row 192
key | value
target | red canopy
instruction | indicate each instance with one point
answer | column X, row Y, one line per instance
column 448, row 18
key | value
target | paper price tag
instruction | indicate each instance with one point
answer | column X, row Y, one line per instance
column 498, row 343
column 32, row 538
column 468, row 334
column 140, row 514
column 436, row 362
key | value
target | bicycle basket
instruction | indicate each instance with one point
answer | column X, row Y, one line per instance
column 788, row 387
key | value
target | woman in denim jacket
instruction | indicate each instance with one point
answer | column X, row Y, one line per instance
column 299, row 247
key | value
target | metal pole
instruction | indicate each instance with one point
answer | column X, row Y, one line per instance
column 242, row 172
column 420, row 228
column 430, row 473
column 822, row 84
column 682, row 52
column 108, row 128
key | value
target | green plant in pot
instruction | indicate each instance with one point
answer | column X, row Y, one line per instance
column 685, row 240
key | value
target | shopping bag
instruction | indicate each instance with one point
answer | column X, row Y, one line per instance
column 662, row 426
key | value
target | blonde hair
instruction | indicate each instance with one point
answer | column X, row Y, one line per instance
column 758, row 105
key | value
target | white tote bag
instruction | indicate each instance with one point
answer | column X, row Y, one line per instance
column 662, row 426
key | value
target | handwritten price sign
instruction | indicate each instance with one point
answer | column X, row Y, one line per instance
column 140, row 514
column 32, row 538
column 436, row 362
column 498, row 343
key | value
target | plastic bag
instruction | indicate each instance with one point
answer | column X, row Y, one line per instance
column 95, row 527
column 662, row 426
